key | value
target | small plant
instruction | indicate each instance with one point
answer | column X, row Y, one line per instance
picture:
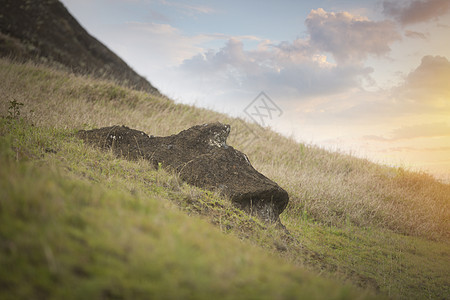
column 14, row 109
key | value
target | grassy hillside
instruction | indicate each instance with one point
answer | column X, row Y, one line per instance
column 74, row 216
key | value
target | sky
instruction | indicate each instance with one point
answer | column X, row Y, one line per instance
column 367, row 77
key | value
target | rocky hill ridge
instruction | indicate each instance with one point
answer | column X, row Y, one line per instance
column 45, row 31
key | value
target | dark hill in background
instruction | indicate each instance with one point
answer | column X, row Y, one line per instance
column 44, row 31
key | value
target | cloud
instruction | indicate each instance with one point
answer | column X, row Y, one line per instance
column 286, row 68
column 415, row 11
column 156, row 16
column 294, row 72
column 165, row 42
column 432, row 73
column 298, row 69
column 149, row 46
column 375, row 138
column 189, row 9
column 415, row 35
column 421, row 130
column 429, row 130
column 424, row 92
column 349, row 37
column 427, row 87
column 415, row 149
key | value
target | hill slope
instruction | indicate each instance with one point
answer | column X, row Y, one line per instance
column 74, row 216
column 109, row 237
column 44, row 30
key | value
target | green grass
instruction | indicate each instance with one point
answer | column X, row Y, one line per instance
column 332, row 188
column 79, row 223
column 73, row 216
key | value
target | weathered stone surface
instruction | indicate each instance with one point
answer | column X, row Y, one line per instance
column 202, row 158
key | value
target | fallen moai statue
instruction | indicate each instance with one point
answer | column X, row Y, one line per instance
column 202, row 158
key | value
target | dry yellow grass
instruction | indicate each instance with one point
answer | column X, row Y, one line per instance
column 348, row 218
column 329, row 188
